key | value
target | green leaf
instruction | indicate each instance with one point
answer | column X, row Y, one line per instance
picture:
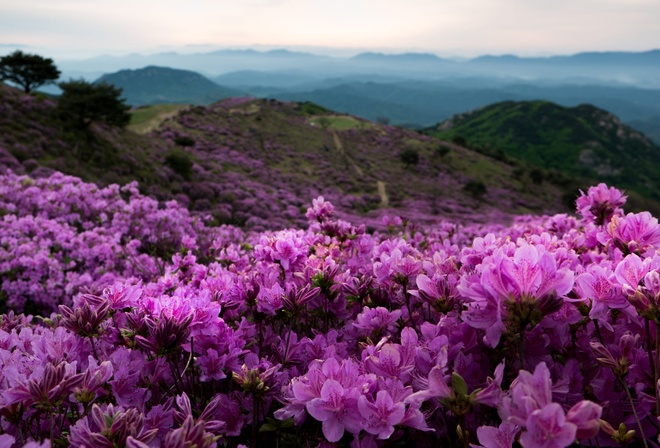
column 267, row 427
column 459, row 384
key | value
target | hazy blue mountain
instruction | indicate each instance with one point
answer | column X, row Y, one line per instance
column 641, row 68
column 425, row 103
column 211, row 64
column 153, row 85
column 650, row 126
column 357, row 100
column 422, row 89
column 400, row 57
column 254, row 78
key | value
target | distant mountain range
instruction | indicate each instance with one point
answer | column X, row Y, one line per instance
column 406, row 102
column 641, row 69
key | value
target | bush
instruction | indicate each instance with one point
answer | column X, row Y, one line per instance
column 459, row 140
column 184, row 141
column 410, row 157
column 180, row 162
column 309, row 108
column 475, row 188
column 442, row 150
column 537, row 175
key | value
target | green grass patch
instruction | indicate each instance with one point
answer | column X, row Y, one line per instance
column 143, row 118
column 337, row 122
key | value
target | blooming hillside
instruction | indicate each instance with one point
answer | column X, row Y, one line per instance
column 148, row 328
column 255, row 163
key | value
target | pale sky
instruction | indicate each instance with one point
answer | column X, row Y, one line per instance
column 82, row 28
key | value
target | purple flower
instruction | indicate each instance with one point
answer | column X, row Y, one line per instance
column 436, row 387
column 46, row 388
column 600, row 204
column 95, row 377
column 529, row 392
column 519, row 290
column 501, row 437
column 211, row 366
column 320, row 211
column 548, row 428
column 190, row 434
column 382, row 415
column 85, row 320
column 337, row 408
column 376, row 322
column 111, row 426
column 585, row 415
column 635, row 233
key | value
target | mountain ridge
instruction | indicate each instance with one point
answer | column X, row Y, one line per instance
column 583, row 141
column 154, row 84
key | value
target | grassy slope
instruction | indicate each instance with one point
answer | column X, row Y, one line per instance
column 147, row 118
column 261, row 162
column 350, row 156
column 34, row 139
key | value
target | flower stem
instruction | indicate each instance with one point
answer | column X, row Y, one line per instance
column 649, row 349
column 521, row 346
column 632, row 404
column 255, row 409
column 410, row 314
column 656, row 367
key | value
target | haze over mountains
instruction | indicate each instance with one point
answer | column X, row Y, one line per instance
column 410, row 89
column 641, row 69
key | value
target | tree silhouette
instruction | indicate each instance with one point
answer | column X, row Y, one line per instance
column 82, row 103
column 28, row 71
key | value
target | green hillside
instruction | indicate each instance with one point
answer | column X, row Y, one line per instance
column 581, row 141
column 155, row 85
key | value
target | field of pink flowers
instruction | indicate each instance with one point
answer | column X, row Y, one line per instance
column 131, row 323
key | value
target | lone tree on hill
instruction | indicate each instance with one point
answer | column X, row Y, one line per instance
column 83, row 102
column 29, row 71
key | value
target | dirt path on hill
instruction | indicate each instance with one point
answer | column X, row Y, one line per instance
column 384, row 199
column 155, row 122
column 340, row 147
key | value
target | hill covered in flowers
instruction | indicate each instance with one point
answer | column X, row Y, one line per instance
column 256, row 163
column 150, row 328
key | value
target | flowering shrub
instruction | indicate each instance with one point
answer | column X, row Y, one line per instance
column 156, row 331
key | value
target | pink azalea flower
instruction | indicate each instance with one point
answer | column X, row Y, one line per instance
column 634, row 233
column 529, row 392
column 600, row 204
column 437, row 387
column 382, row 415
column 501, row 437
column 529, row 279
column 548, row 428
column 337, row 409
column 599, row 286
column 585, row 415
column 629, row 272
